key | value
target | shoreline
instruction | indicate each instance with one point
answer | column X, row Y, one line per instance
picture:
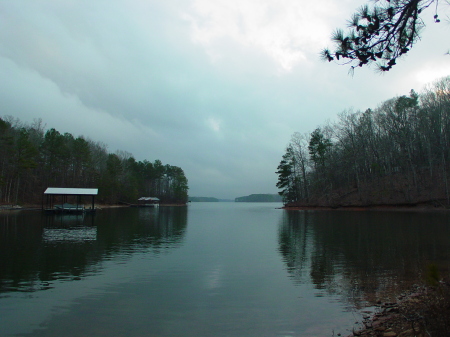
column 397, row 208
column 33, row 207
column 421, row 311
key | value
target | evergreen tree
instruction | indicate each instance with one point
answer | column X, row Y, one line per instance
column 287, row 179
column 380, row 34
column 318, row 148
column 31, row 161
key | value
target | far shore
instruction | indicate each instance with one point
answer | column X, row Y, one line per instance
column 397, row 208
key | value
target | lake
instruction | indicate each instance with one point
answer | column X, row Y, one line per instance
column 209, row 269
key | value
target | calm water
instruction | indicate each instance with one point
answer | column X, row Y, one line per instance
column 210, row 269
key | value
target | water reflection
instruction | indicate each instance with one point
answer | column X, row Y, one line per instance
column 363, row 255
column 37, row 249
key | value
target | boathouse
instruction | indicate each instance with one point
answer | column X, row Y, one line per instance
column 57, row 199
column 148, row 202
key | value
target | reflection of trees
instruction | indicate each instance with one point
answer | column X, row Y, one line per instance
column 362, row 253
column 19, row 244
column 37, row 249
column 293, row 238
column 141, row 229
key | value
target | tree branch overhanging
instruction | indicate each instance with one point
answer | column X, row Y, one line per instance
column 379, row 34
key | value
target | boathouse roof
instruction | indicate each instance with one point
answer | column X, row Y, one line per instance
column 148, row 199
column 71, row 191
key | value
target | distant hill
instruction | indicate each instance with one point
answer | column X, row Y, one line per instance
column 203, row 199
column 260, row 198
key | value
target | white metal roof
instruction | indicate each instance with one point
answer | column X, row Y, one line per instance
column 148, row 198
column 71, row 191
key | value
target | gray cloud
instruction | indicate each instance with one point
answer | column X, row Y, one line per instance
column 214, row 87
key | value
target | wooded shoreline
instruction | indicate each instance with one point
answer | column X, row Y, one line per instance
column 399, row 208
column 393, row 157
column 33, row 159
column 97, row 206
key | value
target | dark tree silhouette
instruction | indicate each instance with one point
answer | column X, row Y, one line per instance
column 396, row 154
column 381, row 33
column 31, row 160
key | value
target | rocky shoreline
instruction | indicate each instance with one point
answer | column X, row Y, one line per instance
column 424, row 311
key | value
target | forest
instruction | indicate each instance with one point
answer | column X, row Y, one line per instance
column 32, row 159
column 395, row 154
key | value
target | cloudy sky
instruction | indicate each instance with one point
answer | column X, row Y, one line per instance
column 216, row 87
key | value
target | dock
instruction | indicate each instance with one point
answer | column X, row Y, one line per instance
column 53, row 194
column 146, row 202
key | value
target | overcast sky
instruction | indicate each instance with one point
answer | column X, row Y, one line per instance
column 216, row 87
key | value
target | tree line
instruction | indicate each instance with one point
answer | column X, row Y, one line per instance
column 32, row 159
column 259, row 198
column 398, row 153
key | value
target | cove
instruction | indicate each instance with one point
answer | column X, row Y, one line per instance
column 209, row 269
